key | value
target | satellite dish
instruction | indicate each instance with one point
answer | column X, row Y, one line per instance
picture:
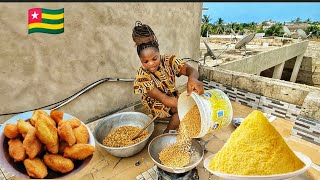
column 232, row 32
column 234, row 35
column 208, row 53
column 302, row 34
column 211, row 54
column 286, row 31
column 245, row 40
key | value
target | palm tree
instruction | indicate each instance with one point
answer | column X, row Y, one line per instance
column 298, row 20
column 220, row 21
column 206, row 19
column 205, row 25
column 220, row 28
column 253, row 27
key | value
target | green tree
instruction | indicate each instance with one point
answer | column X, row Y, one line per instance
column 260, row 31
column 220, row 28
column 308, row 21
column 264, row 23
column 253, row 27
column 297, row 20
column 205, row 25
column 275, row 30
column 314, row 29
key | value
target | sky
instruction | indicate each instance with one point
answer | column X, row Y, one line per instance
column 245, row 12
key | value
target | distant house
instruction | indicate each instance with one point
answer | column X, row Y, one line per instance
column 268, row 23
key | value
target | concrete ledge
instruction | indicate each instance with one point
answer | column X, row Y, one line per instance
column 311, row 106
column 265, row 60
column 277, row 89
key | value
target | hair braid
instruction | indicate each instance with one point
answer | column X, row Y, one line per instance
column 144, row 37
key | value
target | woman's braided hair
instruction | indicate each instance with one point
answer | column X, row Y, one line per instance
column 144, row 37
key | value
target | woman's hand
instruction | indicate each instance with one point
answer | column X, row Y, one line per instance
column 194, row 85
column 168, row 101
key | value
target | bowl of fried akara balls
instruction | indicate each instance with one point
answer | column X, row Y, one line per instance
column 45, row 144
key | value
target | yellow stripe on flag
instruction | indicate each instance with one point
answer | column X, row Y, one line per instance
column 46, row 26
column 52, row 16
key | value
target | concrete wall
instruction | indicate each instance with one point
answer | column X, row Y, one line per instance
column 312, row 54
column 309, row 72
column 265, row 60
column 40, row 69
column 274, row 88
column 293, row 93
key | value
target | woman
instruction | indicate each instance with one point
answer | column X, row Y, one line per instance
column 155, row 79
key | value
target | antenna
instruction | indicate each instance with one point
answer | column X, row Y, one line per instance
column 302, row 34
column 233, row 34
column 209, row 53
column 286, row 31
column 245, row 40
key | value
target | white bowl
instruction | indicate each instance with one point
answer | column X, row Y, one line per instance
column 18, row 169
column 305, row 159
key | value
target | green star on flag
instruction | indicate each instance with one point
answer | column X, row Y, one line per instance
column 48, row 21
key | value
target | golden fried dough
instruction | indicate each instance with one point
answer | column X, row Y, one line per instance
column 79, row 151
column 74, row 122
column 46, row 132
column 11, row 130
column 62, row 146
column 35, row 168
column 58, row 163
column 36, row 115
column 57, row 116
column 66, row 133
column 31, row 144
column 16, row 150
column 82, row 135
column 54, row 149
column 23, row 127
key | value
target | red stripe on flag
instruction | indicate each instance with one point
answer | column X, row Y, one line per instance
column 35, row 15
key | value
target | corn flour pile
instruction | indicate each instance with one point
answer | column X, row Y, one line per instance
column 178, row 155
column 255, row 148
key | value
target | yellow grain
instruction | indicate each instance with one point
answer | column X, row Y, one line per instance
column 178, row 155
column 255, row 148
column 122, row 136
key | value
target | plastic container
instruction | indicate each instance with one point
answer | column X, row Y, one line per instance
column 214, row 106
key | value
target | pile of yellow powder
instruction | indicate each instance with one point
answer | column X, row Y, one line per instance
column 255, row 148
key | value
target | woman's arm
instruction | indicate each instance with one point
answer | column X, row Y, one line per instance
column 168, row 101
column 193, row 84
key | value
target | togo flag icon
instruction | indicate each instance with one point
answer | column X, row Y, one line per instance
column 48, row 21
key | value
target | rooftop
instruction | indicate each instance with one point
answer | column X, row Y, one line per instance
column 106, row 166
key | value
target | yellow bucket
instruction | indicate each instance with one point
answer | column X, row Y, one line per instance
column 214, row 107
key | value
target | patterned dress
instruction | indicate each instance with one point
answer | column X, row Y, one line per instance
column 163, row 79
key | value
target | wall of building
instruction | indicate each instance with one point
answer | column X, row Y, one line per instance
column 39, row 69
